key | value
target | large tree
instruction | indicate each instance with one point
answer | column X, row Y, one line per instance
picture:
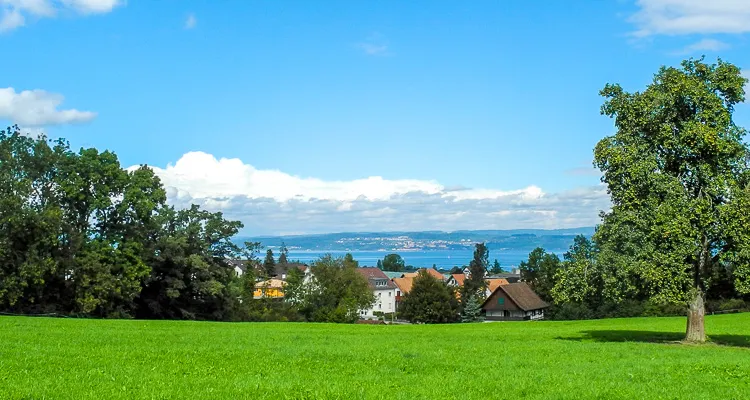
column 393, row 262
column 578, row 278
column 475, row 284
column 336, row 292
column 539, row 272
column 677, row 173
column 269, row 264
column 430, row 301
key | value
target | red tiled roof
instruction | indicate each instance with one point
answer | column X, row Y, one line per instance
column 435, row 274
column 404, row 284
column 459, row 278
column 493, row 283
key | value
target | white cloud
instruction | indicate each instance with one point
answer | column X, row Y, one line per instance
column 13, row 13
column 190, row 21
column 92, row 6
column 271, row 202
column 34, row 108
column 683, row 17
column 703, row 45
column 11, row 19
column 375, row 45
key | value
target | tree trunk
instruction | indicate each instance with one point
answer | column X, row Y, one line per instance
column 696, row 332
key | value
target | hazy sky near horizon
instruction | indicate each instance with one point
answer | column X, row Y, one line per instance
column 309, row 117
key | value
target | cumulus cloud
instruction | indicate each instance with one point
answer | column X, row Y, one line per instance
column 190, row 21
column 13, row 13
column 34, row 108
column 683, row 17
column 273, row 202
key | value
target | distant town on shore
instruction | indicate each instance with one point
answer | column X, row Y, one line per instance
column 507, row 240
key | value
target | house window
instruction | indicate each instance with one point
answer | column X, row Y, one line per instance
column 500, row 300
column 378, row 306
column 379, row 294
column 398, row 293
column 389, row 294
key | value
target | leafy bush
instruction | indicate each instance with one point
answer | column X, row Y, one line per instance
column 726, row 305
column 571, row 311
column 654, row 309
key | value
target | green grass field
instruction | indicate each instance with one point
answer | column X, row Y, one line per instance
column 43, row 358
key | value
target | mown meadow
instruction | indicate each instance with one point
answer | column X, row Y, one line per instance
column 47, row 358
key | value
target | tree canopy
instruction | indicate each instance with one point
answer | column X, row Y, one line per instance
column 475, row 284
column 393, row 262
column 429, row 301
column 677, row 172
column 79, row 234
column 336, row 293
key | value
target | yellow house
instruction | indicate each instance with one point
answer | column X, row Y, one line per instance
column 273, row 288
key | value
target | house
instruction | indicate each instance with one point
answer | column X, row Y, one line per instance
column 383, row 289
column 238, row 266
column 272, row 288
column 456, row 280
column 514, row 302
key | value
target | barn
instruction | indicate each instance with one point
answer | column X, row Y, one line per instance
column 514, row 302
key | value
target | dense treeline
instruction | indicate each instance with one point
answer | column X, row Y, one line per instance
column 81, row 235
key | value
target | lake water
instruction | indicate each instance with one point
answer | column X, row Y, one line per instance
column 444, row 259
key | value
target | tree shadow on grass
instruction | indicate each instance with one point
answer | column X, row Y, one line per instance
column 605, row 336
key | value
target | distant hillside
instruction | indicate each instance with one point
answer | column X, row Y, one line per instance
column 515, row 239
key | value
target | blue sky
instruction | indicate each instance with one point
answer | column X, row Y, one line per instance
column 284, row 113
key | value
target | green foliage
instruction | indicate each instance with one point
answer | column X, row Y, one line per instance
column 496, row 268
column 81, row 235
column 350, row 262
column 380, row 265
column 578, row 280
column 283, row 256
column 430, row 301
column 539, row 271
column 336, row 293
column 677, row 172
column 393, row 262
column 475, row 284
column 471, row 310
column 269, row 264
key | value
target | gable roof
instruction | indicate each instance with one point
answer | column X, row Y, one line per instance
column 521, row 294
column 404, row 284
column 493, row 283
column 237, row 264
column 459, row 278
column 435, row 274
column 374, row 274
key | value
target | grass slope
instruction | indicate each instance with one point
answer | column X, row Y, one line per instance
column 608, row 359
